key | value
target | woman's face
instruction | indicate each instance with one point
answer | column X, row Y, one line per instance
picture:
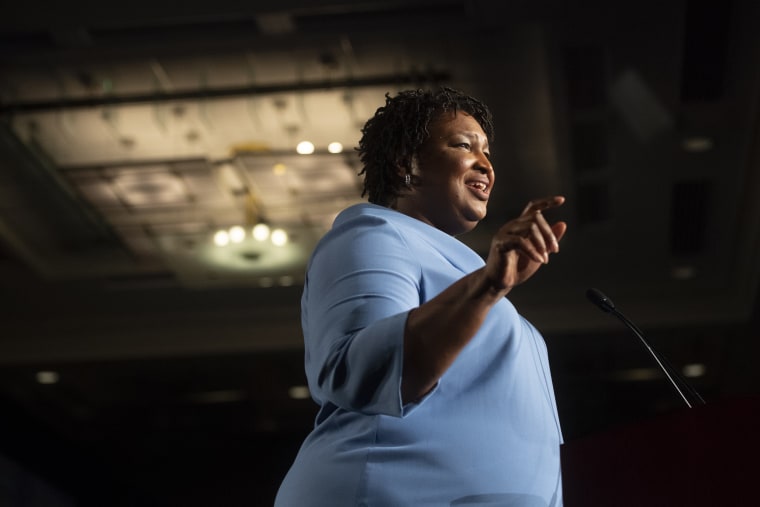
column 452, row 177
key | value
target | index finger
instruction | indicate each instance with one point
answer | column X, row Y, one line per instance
column 544, row 203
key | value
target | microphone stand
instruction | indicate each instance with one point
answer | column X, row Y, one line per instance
column 679, row 383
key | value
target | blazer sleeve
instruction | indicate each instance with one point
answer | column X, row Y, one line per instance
column 361, row 283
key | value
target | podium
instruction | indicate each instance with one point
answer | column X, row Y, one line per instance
column 705, row 456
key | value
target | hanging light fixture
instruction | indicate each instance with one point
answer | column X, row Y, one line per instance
column 260, row 232
column 279, row 237
column 236, row 234
column 221, row 238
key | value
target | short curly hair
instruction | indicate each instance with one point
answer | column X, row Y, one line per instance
column 394, row 135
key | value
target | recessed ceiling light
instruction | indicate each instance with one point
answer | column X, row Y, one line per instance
column 335, row 147
column 697, row 144
column 47, row 377
column 305, row 148
column 694, row 370
column 299, row 392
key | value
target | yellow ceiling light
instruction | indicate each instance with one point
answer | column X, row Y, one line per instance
column 694, row 370
column 47, row 377
column 236, row 234
column 698, row 144
column 221, row 238
column 335, row 147
column 299, row 392
column 305, row 148
column 279, row 237
column 260, row 232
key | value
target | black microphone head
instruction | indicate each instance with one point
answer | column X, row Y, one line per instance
column 599, row 299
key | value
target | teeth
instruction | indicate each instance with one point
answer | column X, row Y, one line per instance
column 479, row 185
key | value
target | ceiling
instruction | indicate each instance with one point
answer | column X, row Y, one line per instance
column 130, row 135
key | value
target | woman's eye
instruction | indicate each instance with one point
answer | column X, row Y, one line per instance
column 464, row 145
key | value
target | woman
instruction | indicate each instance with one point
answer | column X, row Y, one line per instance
column 433, row 390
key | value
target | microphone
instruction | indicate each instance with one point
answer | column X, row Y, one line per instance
column 599, row 299
column 679, row 383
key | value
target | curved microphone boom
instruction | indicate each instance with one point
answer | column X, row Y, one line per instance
column 679, row 383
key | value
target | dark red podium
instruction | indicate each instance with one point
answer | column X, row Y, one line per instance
column 704, row 456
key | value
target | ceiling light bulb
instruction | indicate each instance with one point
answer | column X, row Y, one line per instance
column 299, row 392
column 237, row 234
column 221, row 238
column 279, row 237
column 694, row 370
column 260, row 232
column 335, row 147
column 305, row 148
column 47, row 377
column 698, row 144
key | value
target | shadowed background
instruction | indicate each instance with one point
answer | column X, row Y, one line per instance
column 151, row 353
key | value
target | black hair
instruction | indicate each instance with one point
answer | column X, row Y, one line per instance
column 394, row 135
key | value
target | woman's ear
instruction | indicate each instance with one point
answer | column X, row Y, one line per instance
column 410, row 166
column 408, row 173
column 401, row 169
column 402, row 173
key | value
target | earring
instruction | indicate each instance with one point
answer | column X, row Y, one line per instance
column 408, row 180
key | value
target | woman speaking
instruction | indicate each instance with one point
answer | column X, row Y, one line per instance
column 433, row 390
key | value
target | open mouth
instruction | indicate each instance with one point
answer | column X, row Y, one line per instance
column 480, row 188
